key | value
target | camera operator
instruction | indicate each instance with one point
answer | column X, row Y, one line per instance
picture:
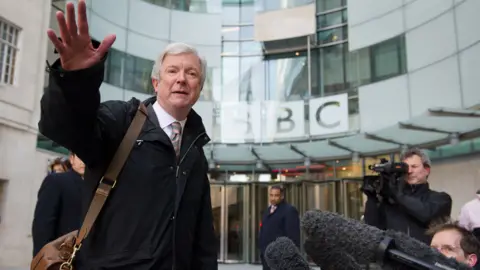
column 404, row 202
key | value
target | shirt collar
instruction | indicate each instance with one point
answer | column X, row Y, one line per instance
column 164, row 118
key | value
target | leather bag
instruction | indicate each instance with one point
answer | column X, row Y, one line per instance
column 60, row 253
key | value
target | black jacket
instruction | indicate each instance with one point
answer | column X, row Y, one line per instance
column 159, row 214
column 411, row 211
column 284, row 221
column 58, row 209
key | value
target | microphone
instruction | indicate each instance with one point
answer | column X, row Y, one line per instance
column 367, row 244
column 329, row 259
column 282, row 254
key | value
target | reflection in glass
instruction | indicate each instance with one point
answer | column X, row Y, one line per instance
column 269, row 5
column 252, row 85
column 138, row 73
column 320, row 196
column 113, row 68
column 200, row 6
column 235, row 217
column 260, row 203
column 333, row 69
column 230, row 78
column 333, row 35
column 331, row 19
column 358, row 67
column 325, row 5
column 287, row 79
column 216, row 197
column 354, row 200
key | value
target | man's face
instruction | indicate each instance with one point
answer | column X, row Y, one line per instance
column 275, row 196
column 77, row 164
column 447, row 242
column 179, row 84
column 417, row 173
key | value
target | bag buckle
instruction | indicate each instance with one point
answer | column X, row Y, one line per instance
column 68, row 264
column 108, row 182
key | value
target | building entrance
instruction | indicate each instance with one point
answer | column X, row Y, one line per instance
column 238, row 210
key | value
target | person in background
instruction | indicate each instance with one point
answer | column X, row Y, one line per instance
column 279, row 219
column 454, row 241
column 408, row 204
column 59, row 208
column 57, row 166
column 470, row 215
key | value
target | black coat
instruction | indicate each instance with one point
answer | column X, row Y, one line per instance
column 159, row 214
column 58, row 209
column 411, row 212
column 285, row 221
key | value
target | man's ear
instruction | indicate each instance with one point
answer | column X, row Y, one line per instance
column 472, row 259
column 155, row 84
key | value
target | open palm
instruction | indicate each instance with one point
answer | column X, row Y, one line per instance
column 75, row 47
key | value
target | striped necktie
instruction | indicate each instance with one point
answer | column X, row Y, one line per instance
column 176, row 134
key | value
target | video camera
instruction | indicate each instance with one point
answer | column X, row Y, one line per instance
column 387, row 171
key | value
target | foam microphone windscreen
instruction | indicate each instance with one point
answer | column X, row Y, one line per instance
column 327, row 258
column 282, row 254
column 339, row 234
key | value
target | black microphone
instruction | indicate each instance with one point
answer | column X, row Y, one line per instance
column 367, row 244
column 282, row 254
column 328, row 259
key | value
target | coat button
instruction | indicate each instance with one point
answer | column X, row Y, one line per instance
column 171, row 168
column 184, row 173
column 172, row 218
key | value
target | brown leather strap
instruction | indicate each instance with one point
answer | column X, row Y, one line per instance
column 108, row 181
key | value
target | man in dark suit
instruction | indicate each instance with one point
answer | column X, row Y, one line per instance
column 279, row 219
column 59, row 205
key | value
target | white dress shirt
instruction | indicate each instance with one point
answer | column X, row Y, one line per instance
column 166, row 120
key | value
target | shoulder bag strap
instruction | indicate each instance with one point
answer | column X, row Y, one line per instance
column 108, row 181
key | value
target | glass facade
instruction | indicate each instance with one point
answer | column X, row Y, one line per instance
column 199, row 6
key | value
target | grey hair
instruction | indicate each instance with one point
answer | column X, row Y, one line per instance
column 179, row 48
column 417, row 152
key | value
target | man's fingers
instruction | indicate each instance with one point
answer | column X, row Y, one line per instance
column 62, row 24
column 105, row 45
column 71, row 23
column 82, row 18
column 55, row 41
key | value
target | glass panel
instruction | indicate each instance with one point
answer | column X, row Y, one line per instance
column 251, row 48
column 231, row 33
column 333, row 35
column 320, row 196
column 330, row 19
column 354, row 205
column 138, row 74
column 230, row 48
column 247, row 12
column 348, row 169
column 333, row 69
column 252, row 85
column 246, row 32
column 216, row 196
column 386, row 60
column 287, row 78
column 235, row 230
column 113, row 68
column 230, row 14
column 230, row 78
column 358, row 67
column 325, row 5
column 260, row 200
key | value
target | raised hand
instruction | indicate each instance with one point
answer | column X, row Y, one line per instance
column 75, row 48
